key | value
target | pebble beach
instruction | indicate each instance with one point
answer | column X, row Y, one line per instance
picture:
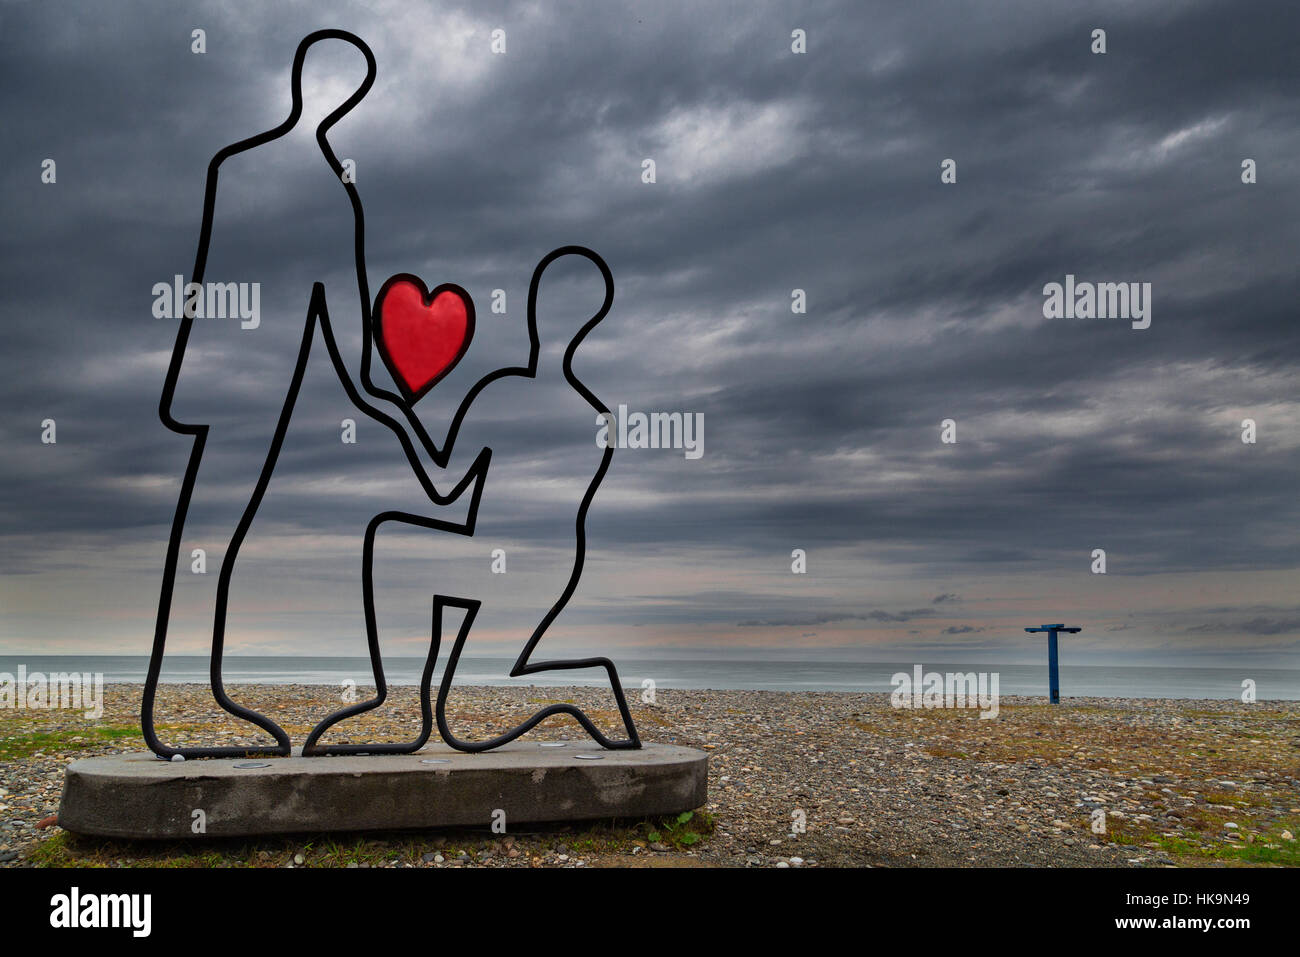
column 796, row 779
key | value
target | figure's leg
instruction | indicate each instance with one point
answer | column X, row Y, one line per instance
column 282, row 744
column 211, row 596
column 165, row 600
column 472, row 612
column 311, row 747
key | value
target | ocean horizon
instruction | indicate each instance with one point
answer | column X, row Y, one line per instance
column 1079, row 680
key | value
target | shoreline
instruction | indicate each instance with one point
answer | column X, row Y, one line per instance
column 1082, row 681
column 635, row 690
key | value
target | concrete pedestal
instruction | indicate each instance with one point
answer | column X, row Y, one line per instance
column 140, row 796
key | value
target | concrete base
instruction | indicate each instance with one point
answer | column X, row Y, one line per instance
column 140, row 796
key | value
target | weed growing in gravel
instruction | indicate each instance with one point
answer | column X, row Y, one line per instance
column 683, row 830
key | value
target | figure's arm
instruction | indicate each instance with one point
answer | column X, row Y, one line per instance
column 401, row 410
column 425, row 460
column 474, row 477
column 186, row 321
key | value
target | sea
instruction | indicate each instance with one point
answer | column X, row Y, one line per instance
column 1077, row 680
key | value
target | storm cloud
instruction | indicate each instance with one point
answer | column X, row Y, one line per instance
column 775, row 172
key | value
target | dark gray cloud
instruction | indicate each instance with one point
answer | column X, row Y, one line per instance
column 1258, row 626
column 775, row 172
column 828, row 617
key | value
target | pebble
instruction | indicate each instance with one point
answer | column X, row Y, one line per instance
column 873, row 785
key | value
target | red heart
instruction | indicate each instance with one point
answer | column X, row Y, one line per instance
column 421, row 335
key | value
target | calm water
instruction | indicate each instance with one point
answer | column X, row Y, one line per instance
column 1076, row 680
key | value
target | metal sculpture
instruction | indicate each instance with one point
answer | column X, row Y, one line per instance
column 417, row 362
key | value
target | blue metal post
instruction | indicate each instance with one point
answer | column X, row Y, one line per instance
column 1053, row 677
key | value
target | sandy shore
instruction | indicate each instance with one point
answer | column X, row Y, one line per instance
column 796, row 779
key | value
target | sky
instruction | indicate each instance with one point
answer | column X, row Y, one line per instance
column 774, row 171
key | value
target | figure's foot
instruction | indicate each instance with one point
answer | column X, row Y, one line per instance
column 613, row 744
column 312, row 748
column 537, row 718
column 281, row 748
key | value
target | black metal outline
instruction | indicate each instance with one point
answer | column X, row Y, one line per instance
column 427, row 296
column 522, row 665
column 317, row 314
column 199, row 432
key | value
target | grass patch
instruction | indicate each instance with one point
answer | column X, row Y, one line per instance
column 1201, row 840
column 65, row 850
column 24, row 745
column 941, row 752
column 1238, row 798
column 62, row 849
column 680, row 831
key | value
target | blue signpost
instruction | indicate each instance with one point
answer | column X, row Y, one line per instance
column 1053, row 679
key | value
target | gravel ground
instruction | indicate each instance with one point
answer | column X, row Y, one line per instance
column 795, row 780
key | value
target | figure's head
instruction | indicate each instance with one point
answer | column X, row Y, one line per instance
column 562, row 331
column 332, row 71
